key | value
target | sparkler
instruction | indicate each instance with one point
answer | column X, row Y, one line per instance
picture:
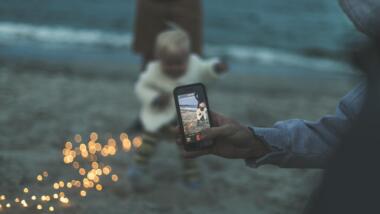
column 86, row 159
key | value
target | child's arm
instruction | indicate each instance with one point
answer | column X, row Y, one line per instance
column 213, row 68
column 145, row 90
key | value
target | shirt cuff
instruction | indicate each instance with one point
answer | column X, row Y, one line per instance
column 275, row 140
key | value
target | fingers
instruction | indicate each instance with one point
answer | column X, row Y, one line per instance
column 194, row 154
column 216, row 119
column 191, row 154
column 217, row 132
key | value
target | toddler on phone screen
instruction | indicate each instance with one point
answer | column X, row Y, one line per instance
column 201, row 112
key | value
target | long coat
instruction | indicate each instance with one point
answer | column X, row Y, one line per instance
column 152, row 18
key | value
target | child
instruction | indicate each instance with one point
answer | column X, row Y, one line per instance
column 175, row 66
column 201, row 112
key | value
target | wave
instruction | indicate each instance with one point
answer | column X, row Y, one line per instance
column 13, row 33
column 271, row 56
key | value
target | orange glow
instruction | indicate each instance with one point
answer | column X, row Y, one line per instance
column 107, row 170
column 137, row 142
column 112, row 150
column 104, row 151
column 93, row 136
column 91, row 175
column 96, row 179
column 115, row 178
column 88, row 159
column 77, row 138
column 123, row 136
column 82, row 171
column 39, row 207
column 82, row 147
column 99, row 172
column 69, row 185
column 68, row 145
column 95, row 165
column 111, row 142
column 98, row 147
column 56, row 186
column 64, row 200
column 127, row 145
column 68, row 159
column 99, row 187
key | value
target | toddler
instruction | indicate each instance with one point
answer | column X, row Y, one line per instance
column 175, row 65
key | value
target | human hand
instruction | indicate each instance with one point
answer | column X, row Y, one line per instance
column 221, row 67
column 161, row 101
column 230, row 140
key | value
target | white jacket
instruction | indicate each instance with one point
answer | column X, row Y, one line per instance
column 154, row 82
column 201, row 114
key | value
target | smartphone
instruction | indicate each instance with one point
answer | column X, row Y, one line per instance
column 193, row 115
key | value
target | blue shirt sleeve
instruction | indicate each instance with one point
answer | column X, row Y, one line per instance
column 304, row 144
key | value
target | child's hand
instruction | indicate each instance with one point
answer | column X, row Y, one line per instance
column 161, row 101
column 221, row 67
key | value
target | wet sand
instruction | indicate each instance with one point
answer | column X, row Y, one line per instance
column 42, row 106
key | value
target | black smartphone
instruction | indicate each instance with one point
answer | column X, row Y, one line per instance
column 193, row 115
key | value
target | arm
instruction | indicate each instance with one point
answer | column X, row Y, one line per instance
column 211, row 68
column 293, row 143
column 145, row 89
column 299, row 143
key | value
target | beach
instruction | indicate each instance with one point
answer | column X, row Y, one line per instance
column 43, row 105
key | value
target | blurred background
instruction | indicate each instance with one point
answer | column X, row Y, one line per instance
column 66, row 68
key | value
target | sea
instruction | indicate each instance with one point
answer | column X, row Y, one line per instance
column 273, row 36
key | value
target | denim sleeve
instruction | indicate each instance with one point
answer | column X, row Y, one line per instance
column 304, row 144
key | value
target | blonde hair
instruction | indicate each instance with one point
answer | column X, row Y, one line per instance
column 172, row 41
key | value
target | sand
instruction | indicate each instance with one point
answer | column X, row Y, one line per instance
column 43, row 106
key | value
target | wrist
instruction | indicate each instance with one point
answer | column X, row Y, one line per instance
column 218, row 68
column 260, row 147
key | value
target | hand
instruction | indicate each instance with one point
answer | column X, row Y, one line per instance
column 221, row 67
column 161, row 101
column 230, row 140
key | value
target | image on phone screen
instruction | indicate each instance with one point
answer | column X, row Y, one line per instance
column 194, row 114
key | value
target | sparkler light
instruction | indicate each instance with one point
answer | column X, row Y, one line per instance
column 86, row 159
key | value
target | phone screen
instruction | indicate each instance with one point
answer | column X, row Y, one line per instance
column 194, row 114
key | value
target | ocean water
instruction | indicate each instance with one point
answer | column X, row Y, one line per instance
column 298, row 35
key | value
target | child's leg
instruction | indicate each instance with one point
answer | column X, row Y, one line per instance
column 138, row 172
column 191, row 173
column 145, row 152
